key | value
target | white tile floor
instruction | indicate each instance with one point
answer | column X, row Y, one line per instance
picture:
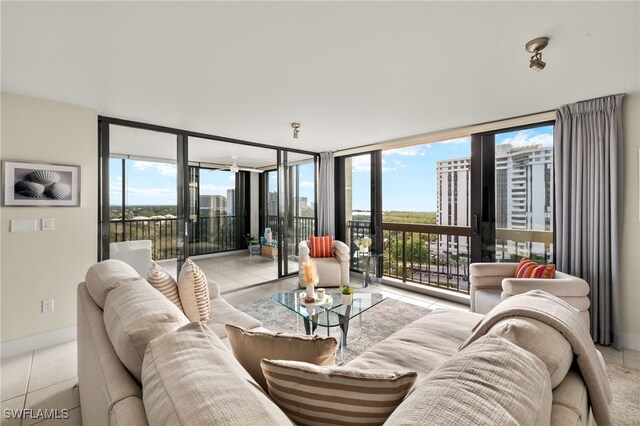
column 45, row 378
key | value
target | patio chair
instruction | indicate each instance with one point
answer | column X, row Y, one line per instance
column 332, row 271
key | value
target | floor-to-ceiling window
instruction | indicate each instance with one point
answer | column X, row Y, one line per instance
column 195, row 195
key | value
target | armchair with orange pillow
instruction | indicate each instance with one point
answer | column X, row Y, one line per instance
column 491, row 283
column 331, row 258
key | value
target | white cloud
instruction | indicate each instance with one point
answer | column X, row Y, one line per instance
column 306, row 184
column 457, row 141
column 152, row 192
column 409, row 151
column 165, row 169
column 387, row 169
column 211, row 188
column 524, row 138
column 361, row 163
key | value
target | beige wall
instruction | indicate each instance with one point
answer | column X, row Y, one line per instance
column 38, row 265
column 630, row 262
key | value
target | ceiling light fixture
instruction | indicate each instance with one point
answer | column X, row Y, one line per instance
column 535, row 46
column 234, row 167
column 295, row 126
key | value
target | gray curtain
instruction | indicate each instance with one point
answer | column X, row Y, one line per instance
column 326, row 196
column 588, row 179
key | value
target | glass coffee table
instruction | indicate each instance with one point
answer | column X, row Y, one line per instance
column 335, row 314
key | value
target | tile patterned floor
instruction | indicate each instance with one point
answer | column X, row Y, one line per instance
column 46, row 378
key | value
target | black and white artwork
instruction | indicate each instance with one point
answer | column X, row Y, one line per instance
column 32, row 184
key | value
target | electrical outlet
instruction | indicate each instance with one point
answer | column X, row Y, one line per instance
column 47, row 305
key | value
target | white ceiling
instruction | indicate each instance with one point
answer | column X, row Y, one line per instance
column 353, row 73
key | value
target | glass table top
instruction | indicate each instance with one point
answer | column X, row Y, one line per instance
column 328, row 315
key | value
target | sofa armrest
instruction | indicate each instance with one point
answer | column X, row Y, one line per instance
column 339, row 247
column 303, row 251
column 214, row 289
column 560, row 287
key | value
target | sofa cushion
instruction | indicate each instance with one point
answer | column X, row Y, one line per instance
column 249, row 347
column 194, row 292
column 527, row 268
column 190, row 378
column 570, row 401
column 104, row 276
column 422, row 345
column 321, row 246
column 133, row 316
column 540, row 339
column 310, row 394
column 487, row 299
column 162, row 281
column 490, row 382
column 223, row 313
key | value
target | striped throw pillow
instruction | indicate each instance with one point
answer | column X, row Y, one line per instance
column 321, row 246
column 527, row 268
column 194, row 292
column 310, row 394
column 164, row 283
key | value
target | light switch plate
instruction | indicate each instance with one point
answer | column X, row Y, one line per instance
column 23, row 225
column 47, row 224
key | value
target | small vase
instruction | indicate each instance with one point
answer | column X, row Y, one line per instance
column 364, row 249
column 347, row 299
column 310, row 291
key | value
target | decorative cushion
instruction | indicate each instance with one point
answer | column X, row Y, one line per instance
column 490, row 382
column 133, row 316
column 249, row 347
column 190, row 378
column 104, row 276
column 540, row 339
column 321, row 246
column 527, row 268
column 194, row 292
column 309, row 394
column 164, row 283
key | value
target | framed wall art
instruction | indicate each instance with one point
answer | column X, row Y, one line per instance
column 36, row 184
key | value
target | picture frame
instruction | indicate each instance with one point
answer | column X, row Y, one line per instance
column 29, row 184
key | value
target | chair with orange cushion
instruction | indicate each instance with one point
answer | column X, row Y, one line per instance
column 332, row 260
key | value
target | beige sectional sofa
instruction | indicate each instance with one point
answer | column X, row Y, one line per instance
column 140, row 361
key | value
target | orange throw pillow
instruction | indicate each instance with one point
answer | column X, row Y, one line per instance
column 527, row 268
column 321, row 246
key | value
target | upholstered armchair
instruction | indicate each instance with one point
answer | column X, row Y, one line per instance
column 137, row 254
column 332, row 271
column 491, row 283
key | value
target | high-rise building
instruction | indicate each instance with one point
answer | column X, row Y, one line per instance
column 452, row 195
column 231, row 202
column 212, row 205
column 524, row 200
column 272, row 204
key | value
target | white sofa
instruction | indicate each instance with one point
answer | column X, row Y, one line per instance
column 332, row 271
column 490, row 283
column 118, row 310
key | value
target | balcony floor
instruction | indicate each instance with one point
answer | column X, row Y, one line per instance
column 234, row 271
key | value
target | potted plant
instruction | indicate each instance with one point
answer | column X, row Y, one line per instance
column 346, row 294
column 252, row 244
column 363, row 244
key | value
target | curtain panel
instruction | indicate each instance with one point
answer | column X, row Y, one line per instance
column 588, row 179
column 326, row 195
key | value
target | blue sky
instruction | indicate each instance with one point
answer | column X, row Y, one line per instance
column 409, row 175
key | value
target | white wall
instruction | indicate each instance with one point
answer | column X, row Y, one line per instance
column 630, row 263
column 38, row 265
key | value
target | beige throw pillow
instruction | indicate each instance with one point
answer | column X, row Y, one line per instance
column 250, row 347
column 309, row 394
column 194, row 292
column 189, row 377
column 164, row 283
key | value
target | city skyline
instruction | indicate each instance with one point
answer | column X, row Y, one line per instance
column 406, row 172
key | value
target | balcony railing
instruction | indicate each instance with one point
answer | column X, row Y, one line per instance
column 438, row 256
column 207, row 235
column 162, row 233
column 432, row 255
column 303, row 228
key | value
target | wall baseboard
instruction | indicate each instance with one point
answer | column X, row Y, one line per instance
column 38, row 341
column 631, row 341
